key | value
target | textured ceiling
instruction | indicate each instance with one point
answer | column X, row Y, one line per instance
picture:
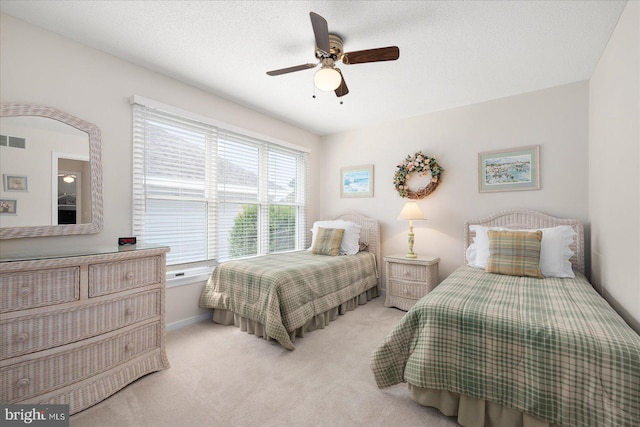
column 452, row 53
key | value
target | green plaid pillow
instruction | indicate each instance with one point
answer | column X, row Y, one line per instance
column 327, row 241
column 514, row 253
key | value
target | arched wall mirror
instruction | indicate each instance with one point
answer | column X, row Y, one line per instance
column 51, row 169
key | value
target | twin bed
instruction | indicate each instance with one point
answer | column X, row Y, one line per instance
column 504, row 350
column 498, row 343
column 283, row 296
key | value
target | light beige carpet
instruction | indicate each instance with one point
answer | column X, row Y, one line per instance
column 220, row 376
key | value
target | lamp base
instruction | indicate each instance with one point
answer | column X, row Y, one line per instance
column 411, row 255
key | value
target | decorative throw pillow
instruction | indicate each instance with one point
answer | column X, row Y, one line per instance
column 515, row 253
column 363, row 246
column 327, row 241
column 555, row 249
column 350, row 238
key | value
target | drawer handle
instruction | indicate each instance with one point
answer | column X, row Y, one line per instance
column 26, row 291
column 406, row 291
column 407, row 273
column 22, row 337
column 129, row 311
column 128, row 347
column 129, row 275
column 23, row 382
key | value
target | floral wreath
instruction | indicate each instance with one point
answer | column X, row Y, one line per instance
column 421, row 164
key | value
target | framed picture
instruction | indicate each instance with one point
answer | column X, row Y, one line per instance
column 509, row 170
column 356, row 181
column 8, row 207
column 15, row 183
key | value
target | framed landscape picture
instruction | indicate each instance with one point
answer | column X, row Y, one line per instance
column 356, row 181
column 8, row 207
column 15, row 183
column 509, row 170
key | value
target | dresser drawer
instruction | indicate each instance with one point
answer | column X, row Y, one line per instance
column 39, row 332
column 25, row 380
column 417, row 273
column 118, row 276
column 30, row 289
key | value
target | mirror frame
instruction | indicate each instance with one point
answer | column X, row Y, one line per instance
column 95, row 164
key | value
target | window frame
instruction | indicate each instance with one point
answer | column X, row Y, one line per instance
column 265, row 144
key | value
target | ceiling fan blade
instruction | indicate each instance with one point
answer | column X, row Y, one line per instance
column 342, row 90
column 321, row 31
column 291, row 69
column 390, row 53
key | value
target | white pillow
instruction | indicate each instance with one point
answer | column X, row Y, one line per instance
column 350, row 244
column 471, row 255
column 480, row 254
column 554, row 251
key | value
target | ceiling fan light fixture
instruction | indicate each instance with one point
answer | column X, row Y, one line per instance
column 69, row 179
column 327, row 79
column 329, row 50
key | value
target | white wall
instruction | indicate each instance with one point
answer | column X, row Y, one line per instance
column 555, row 118
column 614, row 177
column 40, row 67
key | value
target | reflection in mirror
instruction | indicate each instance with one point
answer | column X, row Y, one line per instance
column 58, row 155
column 71, row 192
column 67, row 212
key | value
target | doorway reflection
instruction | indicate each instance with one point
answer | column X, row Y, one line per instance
column 67, row 200
column 71, row 192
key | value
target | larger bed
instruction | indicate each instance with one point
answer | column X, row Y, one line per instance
column 504, row 350
column 282, row 296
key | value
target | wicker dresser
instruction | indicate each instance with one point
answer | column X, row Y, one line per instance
column 409, row 279
column 75, row 329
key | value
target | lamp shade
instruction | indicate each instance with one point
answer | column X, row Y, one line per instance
column 410, row 212
column 327, row 79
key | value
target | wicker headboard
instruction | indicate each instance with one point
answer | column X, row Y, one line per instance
column 369, row 233
column 524, row 219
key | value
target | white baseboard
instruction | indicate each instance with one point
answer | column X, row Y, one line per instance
column 186, row 322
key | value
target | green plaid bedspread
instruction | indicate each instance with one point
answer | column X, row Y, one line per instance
column 284, row 291
column 552, row 348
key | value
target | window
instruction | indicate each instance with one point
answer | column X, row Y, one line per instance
column 210, row 192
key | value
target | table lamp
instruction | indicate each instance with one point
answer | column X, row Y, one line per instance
column 411, row 212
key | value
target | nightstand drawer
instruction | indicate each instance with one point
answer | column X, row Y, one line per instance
column 407, row 289
column 417, row 273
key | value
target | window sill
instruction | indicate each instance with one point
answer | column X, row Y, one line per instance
column 188, row 276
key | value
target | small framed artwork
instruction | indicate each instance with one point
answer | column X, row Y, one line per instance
column 15, row 183
column 8, row 207
column 356, row 181
column 509, row 170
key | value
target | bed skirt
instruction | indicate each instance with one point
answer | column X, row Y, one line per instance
column 472, row 412
column 319, row 321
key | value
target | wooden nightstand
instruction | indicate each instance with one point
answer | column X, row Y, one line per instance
column 409, row 279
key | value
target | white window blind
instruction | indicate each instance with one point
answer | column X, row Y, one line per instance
column 211, row 193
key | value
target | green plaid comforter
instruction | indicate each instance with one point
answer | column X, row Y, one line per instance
column 284, row 291
column 552, row 348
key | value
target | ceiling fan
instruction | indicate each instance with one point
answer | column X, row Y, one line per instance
column 329, row 50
